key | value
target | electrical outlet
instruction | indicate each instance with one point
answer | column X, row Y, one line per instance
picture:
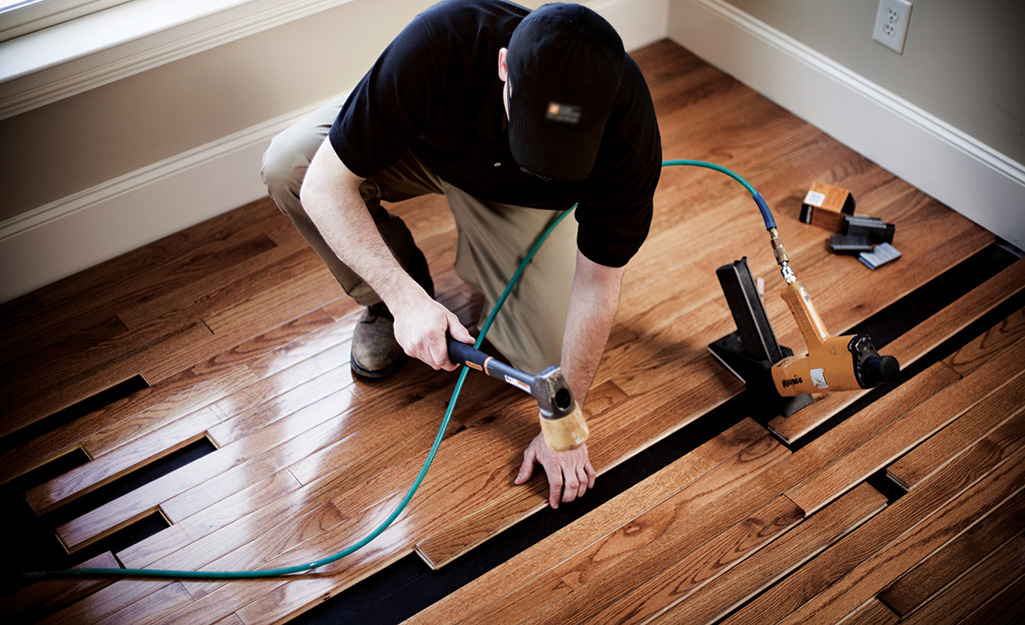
column 892, row 24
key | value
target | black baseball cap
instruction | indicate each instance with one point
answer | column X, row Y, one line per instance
column 565, row 65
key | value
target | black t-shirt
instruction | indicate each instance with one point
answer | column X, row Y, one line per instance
column 435, row 90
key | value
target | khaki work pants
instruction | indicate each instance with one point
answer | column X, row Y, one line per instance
column 492, row 240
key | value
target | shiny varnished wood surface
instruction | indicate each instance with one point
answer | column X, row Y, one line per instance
column 243, row 340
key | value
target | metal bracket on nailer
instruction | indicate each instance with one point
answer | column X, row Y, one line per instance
column 751, row 351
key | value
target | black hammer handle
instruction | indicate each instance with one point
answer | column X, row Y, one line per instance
column 468, row 355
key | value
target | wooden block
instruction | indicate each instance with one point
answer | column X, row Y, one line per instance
column 971, row 591
column 776, row 560
column 988, row 387
column 953, row 559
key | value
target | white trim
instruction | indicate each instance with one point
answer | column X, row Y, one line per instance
column 87, row 228
column 101, row 48
column 969, row 176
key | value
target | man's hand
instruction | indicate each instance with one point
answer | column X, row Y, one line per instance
column 570, row 473
column 420, row 328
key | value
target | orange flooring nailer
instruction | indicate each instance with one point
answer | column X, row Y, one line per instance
column 833, row 363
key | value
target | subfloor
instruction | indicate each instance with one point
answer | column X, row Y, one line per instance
column 189, row 405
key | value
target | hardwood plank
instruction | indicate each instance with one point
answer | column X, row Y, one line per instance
column 210, row 519
column 872, row 613
column 953, row 559
column 286, row 440
column 680, row 474
column 878, row 571
column 191, row 390
column 973, row 589
column 43, row 393
column 152, row 607
column 777, row 559
column 691, row 572
column 97, row 606
column 819, row 582
column 1005, row 608
column 130, row 457
column 912, row 345
column 942, row 448
column 64, row 307
column 988, row 389
column 218, row 290
column 979, row 351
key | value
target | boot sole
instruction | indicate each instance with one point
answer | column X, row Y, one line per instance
column 379, row 373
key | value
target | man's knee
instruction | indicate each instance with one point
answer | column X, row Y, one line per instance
column 284, row 166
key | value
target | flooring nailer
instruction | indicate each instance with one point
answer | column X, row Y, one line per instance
column 833, row 363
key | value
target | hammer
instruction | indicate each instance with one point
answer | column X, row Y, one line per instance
column 562, row 421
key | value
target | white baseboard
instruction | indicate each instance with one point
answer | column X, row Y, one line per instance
column 76, row 232
column 958, row 170
column 99, row 223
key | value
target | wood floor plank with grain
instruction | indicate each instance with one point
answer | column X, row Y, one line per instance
column 874, row 612
column 979, row 351
column 913, row 543
column 1004, row 608
column 817, row 582
column 779, row 558
column 996, row 528
column 974, row 588
column 679, row 475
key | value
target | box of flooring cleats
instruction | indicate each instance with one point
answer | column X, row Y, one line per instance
column 825, row 206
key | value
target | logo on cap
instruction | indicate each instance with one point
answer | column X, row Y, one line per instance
column 565, row 113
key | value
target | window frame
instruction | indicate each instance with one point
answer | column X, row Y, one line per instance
column 34, row 15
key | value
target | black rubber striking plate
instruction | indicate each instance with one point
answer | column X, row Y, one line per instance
column 750, row 352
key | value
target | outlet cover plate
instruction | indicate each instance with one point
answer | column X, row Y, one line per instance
column 891, row 27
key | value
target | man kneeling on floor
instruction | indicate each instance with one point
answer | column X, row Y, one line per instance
column 504, row 111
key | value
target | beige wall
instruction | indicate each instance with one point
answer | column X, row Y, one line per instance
column 84, row 140
column 963, row 62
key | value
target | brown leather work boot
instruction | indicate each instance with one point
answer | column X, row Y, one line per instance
column 375, row 352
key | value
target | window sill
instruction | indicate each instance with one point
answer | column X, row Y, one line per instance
column 61, row 61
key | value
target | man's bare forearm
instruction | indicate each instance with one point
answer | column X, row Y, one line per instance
column 594, row 300
column 330, row 196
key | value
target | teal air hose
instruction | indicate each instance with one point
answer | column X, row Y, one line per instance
column 299, row 568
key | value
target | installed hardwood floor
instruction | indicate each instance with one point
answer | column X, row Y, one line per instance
column 228, row 345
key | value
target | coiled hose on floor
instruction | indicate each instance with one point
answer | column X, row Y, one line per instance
column 299, row 568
